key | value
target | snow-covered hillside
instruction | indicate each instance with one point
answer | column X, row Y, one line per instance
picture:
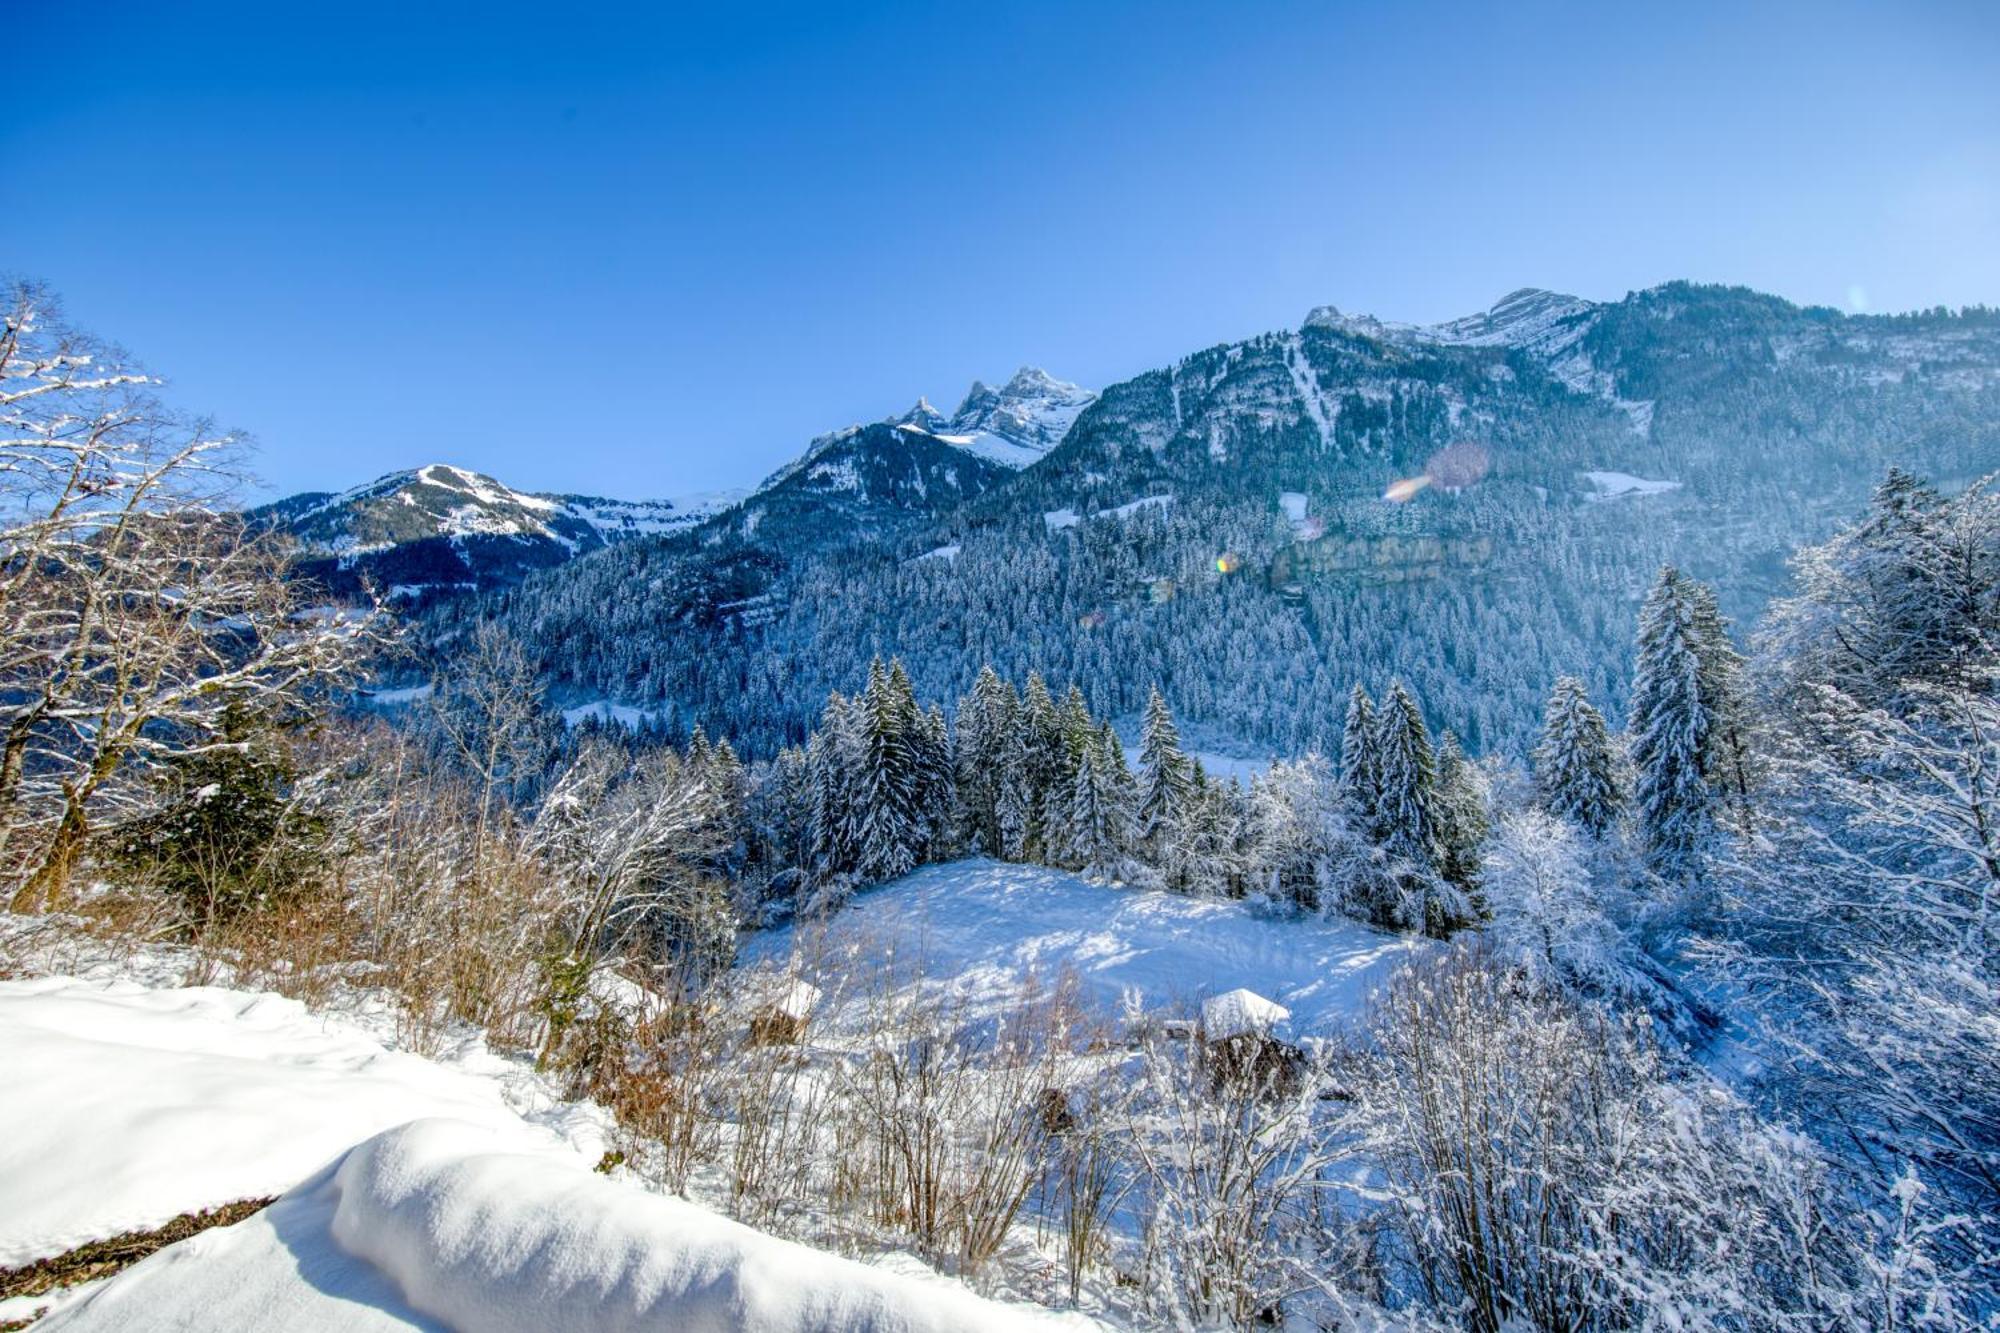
column 982, row 928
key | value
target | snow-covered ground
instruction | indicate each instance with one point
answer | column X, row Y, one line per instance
column 148, row 1102
column 1616, row 485
column 443, row 1224
column 605, row 711
column 1055, row 520
column 455, row 1192
column 983, row 927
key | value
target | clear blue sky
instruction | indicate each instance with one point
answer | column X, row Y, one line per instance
column 648, row 251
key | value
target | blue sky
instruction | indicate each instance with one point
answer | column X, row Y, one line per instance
column 648, row 250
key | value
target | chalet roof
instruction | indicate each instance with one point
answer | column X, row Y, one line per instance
column 1240, row 1012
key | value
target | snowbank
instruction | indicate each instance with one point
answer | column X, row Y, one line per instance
column 129, row 1105
column 446, row 1224
column 982, row 927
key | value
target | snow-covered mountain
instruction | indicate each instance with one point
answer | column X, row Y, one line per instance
column 440, row 527
column 1017, row 423
column 869, row 483
column 1012, row 426
column 1540, row 460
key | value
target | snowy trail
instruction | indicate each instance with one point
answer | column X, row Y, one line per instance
column 981, row 927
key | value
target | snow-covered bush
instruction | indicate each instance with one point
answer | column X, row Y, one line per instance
column 1546, row 1168
column 1231, row 1158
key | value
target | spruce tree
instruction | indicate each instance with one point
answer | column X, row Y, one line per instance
column 1165, row 779
column 829, row 781
column 885, row 785
column 1045, row 766
column 1576, row 768
column 1360, row 765
column 984, row 718
column 1728, row 761
column 1013, row 803
column 1406, row 778
column 1671, row 728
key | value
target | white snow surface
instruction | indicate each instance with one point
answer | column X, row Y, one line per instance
column 980, row 928
column 415, row 1194
column 1617, row 485
column 1055, row 520
column 605, row 711
column 137, row 1104
column 441, row 1224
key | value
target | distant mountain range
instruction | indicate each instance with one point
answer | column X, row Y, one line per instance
column 1219, row 526
column 440, row 529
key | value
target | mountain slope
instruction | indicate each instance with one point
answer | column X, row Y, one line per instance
column 1549, row 454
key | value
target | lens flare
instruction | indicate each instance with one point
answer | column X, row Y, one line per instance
column 1227, row 563
column 1459, row 466
column 1162, row 591
column 1453, row 468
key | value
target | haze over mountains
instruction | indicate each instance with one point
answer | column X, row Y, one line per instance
column 1219, row 526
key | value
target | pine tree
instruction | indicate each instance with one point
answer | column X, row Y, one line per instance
column 1360, row 766
column 1576, row 768
column 1165, row 779
column 1671, row 726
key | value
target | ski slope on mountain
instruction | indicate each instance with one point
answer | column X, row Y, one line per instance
column 981, row 928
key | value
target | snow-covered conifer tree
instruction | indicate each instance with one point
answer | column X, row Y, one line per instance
column 1671, row 726
column 885, row 782
column 1360, row 775
column 1406, row 777
column 1576, row 768
column 1461, row 821
column 1164, row 776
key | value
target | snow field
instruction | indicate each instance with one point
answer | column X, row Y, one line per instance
column 980, row 929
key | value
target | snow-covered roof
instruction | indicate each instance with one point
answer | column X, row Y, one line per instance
column 1239, row 1013
column 793, row 997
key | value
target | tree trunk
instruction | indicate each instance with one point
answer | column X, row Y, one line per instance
column 48, row 886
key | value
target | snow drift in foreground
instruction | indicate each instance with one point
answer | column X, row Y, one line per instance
column 442, row 1224
column 982, row 927
column 132, row 1105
